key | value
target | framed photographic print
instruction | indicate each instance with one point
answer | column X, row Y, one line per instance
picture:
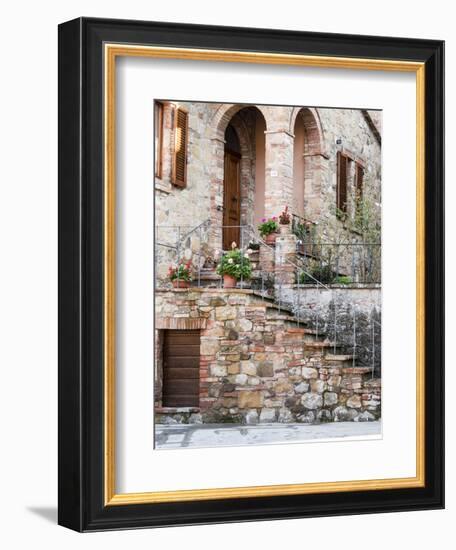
column 250, row 274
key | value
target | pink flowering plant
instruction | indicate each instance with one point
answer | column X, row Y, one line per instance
column 182, row 272
column 235, row 263
column 268, row 226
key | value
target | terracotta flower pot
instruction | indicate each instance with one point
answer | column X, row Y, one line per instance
column 180, row 283
column 229, row 281
column 270, row 239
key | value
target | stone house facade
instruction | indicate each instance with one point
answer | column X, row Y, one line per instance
column 220, row 169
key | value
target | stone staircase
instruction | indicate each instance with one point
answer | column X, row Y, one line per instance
column 315, row 341
column 260, row 364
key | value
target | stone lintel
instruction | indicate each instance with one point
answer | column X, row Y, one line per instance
column 180, row 323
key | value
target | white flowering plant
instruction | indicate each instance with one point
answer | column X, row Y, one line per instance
column 235, row 263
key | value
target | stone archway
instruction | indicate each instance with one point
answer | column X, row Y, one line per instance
column 309, row 162
column 244, row 120
column 311, row 119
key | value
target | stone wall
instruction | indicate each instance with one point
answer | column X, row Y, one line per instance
column 258, row 364
column 360, row 143
column 349, row 316
column 327, row 132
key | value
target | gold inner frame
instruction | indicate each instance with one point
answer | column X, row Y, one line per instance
column 111, row 52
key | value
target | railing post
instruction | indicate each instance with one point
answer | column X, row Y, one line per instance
column 155, row 255
column 354, row 336
column 241, row 234
column 262, row 284
column 373, row 345
column 299, row 294
column 199, row 257
column 335, row 320
column 338, row 259
column 353, row 261
column 178, row 251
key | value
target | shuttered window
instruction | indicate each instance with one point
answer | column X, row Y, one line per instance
column 179, row 174
column 158, row 111
column 359, row 186
column 342, row 173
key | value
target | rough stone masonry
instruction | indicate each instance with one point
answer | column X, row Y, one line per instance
column 258, row 365
column 257, row 362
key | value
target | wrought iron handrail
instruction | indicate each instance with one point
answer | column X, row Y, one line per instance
column 359, row 261
column 298, row 268
column 280, row 293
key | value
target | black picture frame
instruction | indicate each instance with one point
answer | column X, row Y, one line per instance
column 81, row 429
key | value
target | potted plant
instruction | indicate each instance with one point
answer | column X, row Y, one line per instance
column 268, row 229
column 181, row 275
column 234, row 265
column 284, row 221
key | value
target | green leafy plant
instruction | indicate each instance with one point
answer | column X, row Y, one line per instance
column 343, row 280
column 305, row 231
column 182, row 271
column 322, row 273
column 235, row 263
column 268, row 226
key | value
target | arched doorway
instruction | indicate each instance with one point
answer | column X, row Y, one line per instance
column 307, row 155
column 231, row 188
column 243, row 174
column 299, row 181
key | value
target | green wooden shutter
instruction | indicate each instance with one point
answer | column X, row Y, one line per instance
column 342, row 162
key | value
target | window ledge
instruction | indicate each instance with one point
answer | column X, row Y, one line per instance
column 162, row 187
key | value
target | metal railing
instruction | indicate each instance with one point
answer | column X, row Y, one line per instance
column 263, row 281
column 304, row 229
column 341, row 263
column 321, row 269
column 344, row 262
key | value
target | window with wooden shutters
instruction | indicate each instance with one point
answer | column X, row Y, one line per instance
column 342, row 173
column 179, row 175
column 158, row 110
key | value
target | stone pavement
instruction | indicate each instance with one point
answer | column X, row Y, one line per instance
column 178, row 436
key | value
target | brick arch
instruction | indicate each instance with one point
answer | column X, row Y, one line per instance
column 224, row 115
column 226, row 112
column 314, row 131
column 308, row 162
column 243, row 135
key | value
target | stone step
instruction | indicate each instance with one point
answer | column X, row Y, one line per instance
column 356, row 370
column 321, row 344
column 305, row 330
column 282, row 308
column 207, row 278
column 207, row 273
column 276, row 316
column 338, row 358
column 266, row 295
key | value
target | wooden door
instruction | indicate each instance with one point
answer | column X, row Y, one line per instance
column 231, row 199
column 181, row 357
